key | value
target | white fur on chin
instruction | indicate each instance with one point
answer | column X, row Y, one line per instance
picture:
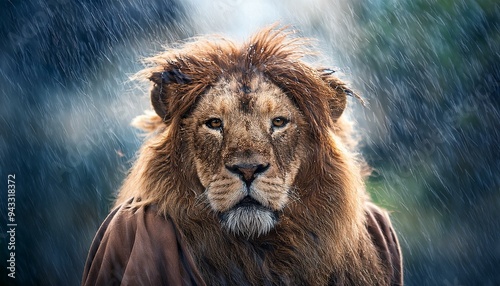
column 250, row 221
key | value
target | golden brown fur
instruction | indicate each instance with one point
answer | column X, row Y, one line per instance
column 308, row 227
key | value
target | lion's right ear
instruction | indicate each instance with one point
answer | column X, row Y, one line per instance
column 338, row 101
column 162, row 86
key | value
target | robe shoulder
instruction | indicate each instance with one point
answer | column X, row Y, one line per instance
column 138, row 247
column 385, row 240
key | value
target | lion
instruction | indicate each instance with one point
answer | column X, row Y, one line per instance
column 249, row 176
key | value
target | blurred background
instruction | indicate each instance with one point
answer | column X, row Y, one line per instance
column 428, row 69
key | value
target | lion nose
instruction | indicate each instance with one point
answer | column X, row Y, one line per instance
column 248, row 172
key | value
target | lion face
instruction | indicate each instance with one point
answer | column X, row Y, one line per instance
column 247, row 151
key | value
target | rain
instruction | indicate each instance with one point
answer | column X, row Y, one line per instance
column 428, row 70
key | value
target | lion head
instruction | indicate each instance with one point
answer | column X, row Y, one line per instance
column 245, row 121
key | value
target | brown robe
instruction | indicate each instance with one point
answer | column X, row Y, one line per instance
column 139, row 247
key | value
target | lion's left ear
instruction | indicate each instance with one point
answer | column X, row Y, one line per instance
column 338, row 101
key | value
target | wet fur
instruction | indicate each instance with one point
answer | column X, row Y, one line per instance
column 320, row 237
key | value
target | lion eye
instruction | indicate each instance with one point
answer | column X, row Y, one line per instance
column 279, row 122
column 214, row 123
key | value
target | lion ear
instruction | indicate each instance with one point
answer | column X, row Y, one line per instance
column 161, row 89
column 338, row 101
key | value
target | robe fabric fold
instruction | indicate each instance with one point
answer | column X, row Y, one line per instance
column 139, row 247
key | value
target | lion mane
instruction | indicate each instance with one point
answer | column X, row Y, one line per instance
column 317, row 232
